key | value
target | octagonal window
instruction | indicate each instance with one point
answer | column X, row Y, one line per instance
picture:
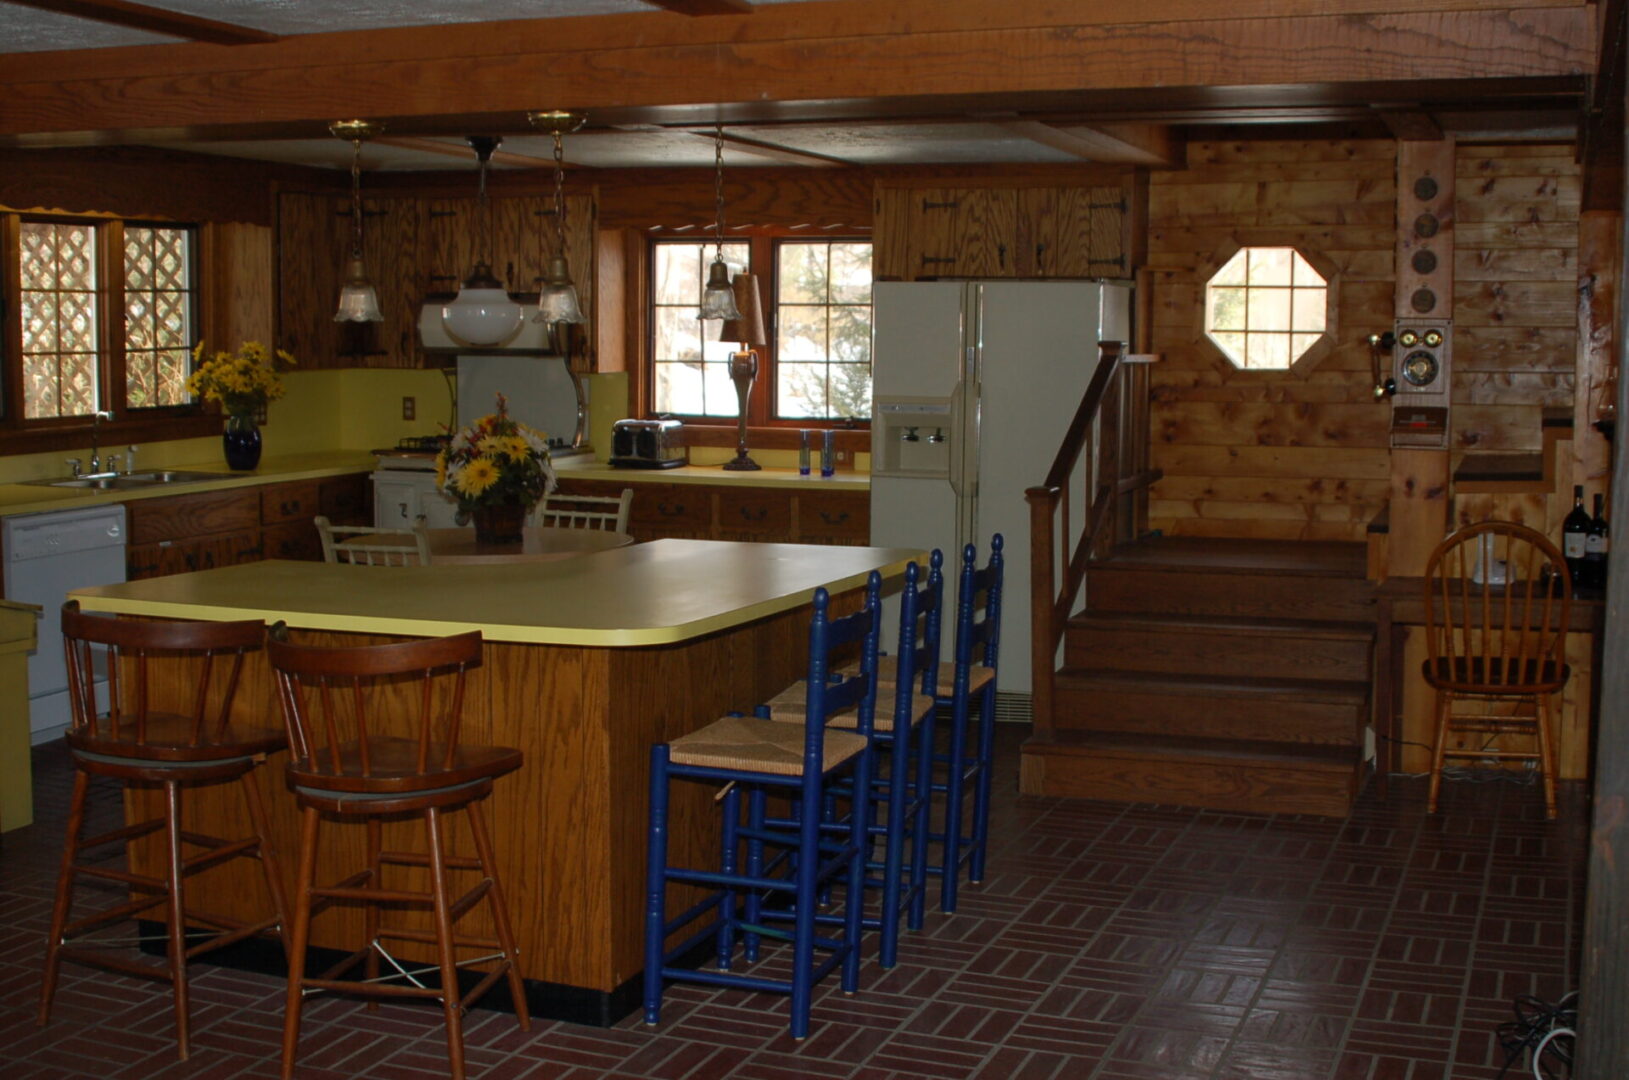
column 1266, row 307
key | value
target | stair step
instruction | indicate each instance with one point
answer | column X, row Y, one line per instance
column 1199, row 645
column 1221, row 576
column 1285, row 710
column 1256, row 776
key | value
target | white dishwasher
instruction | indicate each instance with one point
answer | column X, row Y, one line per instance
column 46, row 555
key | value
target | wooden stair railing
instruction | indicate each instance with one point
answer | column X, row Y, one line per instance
column 1108, row 443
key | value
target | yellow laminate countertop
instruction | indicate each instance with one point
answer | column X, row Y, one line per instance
column 714, row 474
column 658, row 593
column 18, row 498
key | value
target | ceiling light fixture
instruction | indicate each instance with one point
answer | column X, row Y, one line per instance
column 718, row 298
column 557, row 301
column 358, row 302
column 482, row 313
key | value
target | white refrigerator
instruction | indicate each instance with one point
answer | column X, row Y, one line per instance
column 974, row 386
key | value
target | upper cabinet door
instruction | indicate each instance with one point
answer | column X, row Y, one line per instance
column 966, row 232
column 312, row 246
column 450, row 238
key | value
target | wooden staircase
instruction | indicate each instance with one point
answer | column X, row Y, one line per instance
column 1232, row 674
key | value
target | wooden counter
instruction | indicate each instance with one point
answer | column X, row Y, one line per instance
column 588, row 663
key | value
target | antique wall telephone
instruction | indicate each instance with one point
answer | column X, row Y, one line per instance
column 1381, row 345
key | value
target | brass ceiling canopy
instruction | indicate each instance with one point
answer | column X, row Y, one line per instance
column 556, row 121
column 356, row 130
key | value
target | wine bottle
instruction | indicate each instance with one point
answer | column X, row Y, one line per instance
column 1596, row 542
column 1574, row 530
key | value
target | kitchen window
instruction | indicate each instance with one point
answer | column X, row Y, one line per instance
column 816, row 368
column 108, row 312
column 1267, row 308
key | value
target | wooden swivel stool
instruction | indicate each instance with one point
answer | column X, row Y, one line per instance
column 373, row 735
column 196, row 664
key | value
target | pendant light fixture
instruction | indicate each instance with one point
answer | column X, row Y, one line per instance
column 358, row 302
column 482, row 313
column 718, row 298
column 557, row 301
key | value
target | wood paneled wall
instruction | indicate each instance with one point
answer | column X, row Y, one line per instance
column 1304, row 454
column 1293, row 455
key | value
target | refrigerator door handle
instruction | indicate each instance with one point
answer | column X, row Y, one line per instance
column 958, row 400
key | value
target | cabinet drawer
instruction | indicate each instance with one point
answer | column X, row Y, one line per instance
column 834, row 517
column 671, row 510
column 183, row 517
column 290, row 502
column 184, row 556
column 754, row 514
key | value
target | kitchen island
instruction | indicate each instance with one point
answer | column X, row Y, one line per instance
column 587, row 663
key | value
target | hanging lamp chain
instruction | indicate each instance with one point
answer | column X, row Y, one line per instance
column 559, row 193
column 356, row 198
column 718, row 187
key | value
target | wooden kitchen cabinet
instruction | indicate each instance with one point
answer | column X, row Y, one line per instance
column 181, row 533
column 1041, row 231
column 735, row 511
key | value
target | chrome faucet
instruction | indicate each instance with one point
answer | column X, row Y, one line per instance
column 96, row 439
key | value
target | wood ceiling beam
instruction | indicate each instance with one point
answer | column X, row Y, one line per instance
column 154, row 20
column 1111, row 144
column 1410, row 125
column 882, row 57
column 702, row 7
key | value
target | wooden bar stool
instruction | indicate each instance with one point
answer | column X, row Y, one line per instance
column 346, row 709
column 971, row 676
column 143, row 747
column 759, row 756
column 902, row 732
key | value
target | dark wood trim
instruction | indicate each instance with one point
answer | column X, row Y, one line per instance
column 155, row 20
column 11, row 320
column 703, row 7
column 855, row 439
column 159, row 425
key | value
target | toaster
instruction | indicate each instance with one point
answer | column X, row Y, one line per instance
column 648, row 444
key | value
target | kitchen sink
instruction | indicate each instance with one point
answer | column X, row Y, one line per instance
column 127, row 481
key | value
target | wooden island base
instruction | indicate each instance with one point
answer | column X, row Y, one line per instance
column 570, row 825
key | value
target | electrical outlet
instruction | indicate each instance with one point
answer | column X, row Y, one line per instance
column 409, row 408
column 843, row 457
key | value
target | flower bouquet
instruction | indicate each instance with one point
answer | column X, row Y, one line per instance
column 242, row 382
column 497, row 469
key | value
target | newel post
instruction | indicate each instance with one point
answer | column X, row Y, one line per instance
column 1043, row 509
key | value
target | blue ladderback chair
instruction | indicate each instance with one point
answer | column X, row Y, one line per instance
column 901, row 742
column 972, row 675
column 794, row 864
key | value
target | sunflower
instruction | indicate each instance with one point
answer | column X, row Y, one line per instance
column 476, row 477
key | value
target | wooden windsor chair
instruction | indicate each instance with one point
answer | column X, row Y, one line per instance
column 606, row 512
column 1498, row 597
column 374, row 734
column 364, row 545
column 191, row 666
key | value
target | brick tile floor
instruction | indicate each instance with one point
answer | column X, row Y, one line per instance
column 1108, row 942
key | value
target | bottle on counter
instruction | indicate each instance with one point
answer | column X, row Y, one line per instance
column 803, row 452
column 1574, row 531
column 828, row 454
column 1596, row 544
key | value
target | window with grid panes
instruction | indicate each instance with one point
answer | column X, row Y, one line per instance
column 817, row 314
column 1266, row 307
column 78, row 355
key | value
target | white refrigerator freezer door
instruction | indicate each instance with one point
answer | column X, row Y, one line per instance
column 1036, row 352
column 916, row 338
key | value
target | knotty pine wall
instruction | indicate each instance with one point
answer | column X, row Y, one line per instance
column 1303, row 454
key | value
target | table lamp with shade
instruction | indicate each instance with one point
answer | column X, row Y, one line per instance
column 748, row 330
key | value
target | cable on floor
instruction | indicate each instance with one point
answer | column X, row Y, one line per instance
column 1546, row 1030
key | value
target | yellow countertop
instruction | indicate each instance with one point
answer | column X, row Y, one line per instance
column 658, row 593
column 31, row 498
column 714, row 474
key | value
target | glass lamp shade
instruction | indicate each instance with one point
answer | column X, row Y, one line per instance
column 482, row 313
column 557, row 302
column 718, row 299
column 358, row 302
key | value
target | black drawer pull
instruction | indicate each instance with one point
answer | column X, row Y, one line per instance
column 749, row 514
column 833, row 519
column 670, row 511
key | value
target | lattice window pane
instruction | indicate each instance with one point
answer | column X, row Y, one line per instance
column 60, row 319
column 160, row 302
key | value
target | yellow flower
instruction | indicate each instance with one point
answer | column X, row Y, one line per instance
column 476, row 477
column 516, row 448
column 492, row 445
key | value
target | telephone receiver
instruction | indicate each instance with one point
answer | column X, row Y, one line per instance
column 1381, row 344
